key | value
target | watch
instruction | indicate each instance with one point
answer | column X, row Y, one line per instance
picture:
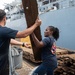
column 23, row 45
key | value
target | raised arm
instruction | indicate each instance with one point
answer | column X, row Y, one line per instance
column 38, row 43
column 26, row 32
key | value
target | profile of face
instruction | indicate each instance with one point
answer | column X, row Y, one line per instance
column 48, row 32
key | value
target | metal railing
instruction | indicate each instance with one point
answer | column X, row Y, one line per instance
column 62, row 4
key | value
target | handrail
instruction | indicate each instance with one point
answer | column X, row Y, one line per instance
column 62, row 4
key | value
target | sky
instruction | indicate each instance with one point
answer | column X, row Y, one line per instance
column 2, row 2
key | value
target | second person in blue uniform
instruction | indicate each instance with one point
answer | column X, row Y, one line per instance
column 48, row 55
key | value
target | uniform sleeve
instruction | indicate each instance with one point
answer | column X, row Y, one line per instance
column 8, row 32
column 46, row 41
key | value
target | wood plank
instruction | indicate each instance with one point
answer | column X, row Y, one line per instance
column 31, row 13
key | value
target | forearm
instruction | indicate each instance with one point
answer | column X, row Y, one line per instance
column 14, row 42
column 36, row 41
column 26, row 32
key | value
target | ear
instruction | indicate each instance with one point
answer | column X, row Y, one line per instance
column 51, row 32
column 4, row 18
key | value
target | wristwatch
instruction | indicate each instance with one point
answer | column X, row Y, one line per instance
column 23, row 45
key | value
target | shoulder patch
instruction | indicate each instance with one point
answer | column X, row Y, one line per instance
column 53, row 49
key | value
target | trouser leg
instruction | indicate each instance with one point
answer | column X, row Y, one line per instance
column 41, row 70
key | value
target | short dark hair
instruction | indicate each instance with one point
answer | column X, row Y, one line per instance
column 2, row 14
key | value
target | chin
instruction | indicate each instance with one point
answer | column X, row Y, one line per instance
column 45, row 35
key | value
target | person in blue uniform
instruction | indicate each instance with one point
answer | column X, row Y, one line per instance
column 48, row 54
column 7, row 36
